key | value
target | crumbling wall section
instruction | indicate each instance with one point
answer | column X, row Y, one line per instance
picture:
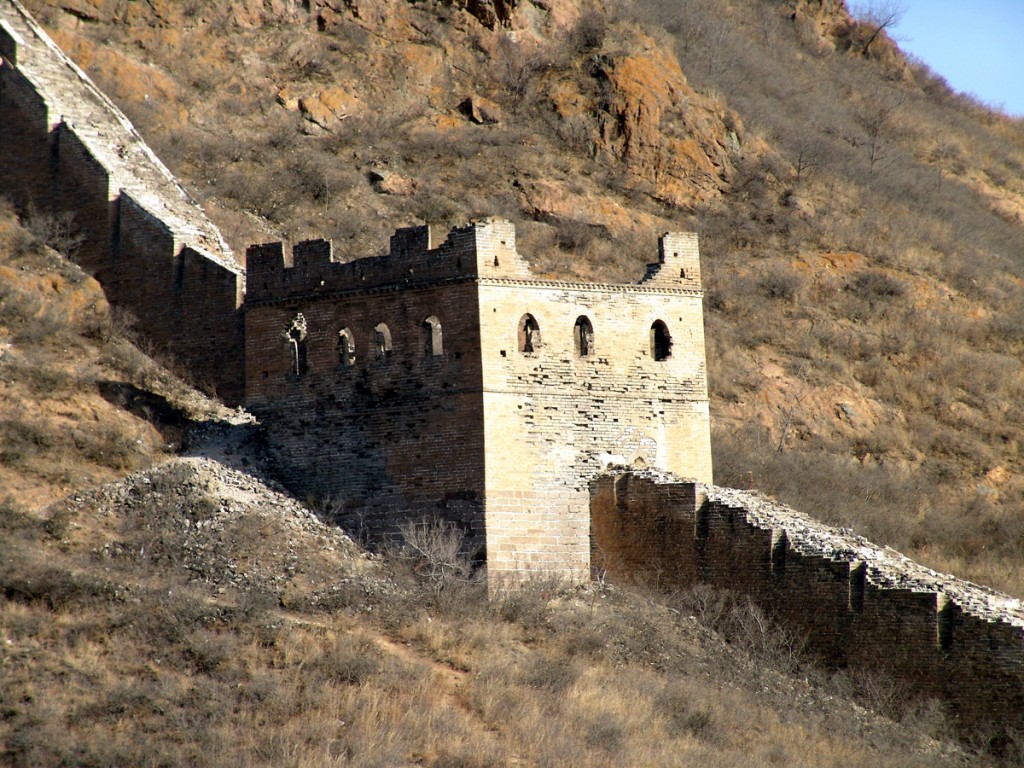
column 856, row 605
column 66, row 149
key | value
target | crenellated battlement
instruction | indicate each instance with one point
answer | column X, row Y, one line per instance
column 483, row 250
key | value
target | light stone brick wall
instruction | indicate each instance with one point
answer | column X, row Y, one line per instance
column 555, row 419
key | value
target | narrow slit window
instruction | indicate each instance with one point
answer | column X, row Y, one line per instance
column 295, row 336
column 382, row 337
column 346, row 347
column 661, row 341
column 529, row 334
column 432, row 345
column 583, row 336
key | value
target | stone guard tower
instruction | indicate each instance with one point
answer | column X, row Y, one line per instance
column 444, row 380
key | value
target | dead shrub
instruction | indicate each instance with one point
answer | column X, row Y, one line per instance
column 553, row 674
column 685, row 715
column 875, row 284
column 781, row 284
column 58, row 231
column 349, row 660
column 437, row 550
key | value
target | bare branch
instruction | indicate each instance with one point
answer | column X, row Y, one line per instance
column 879, row 16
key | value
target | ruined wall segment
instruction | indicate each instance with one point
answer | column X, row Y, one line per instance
column 857, row 605
column 499, row 397
column 65, row 147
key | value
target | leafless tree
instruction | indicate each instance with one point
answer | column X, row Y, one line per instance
column 876, row 119
column 879, row 16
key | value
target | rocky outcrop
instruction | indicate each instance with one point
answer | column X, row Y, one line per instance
column 638, row 109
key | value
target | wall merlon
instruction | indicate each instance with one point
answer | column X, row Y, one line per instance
column 263, row 259
column 412, row 241
column 678, row 262
column 313, row 256
column 495, row 245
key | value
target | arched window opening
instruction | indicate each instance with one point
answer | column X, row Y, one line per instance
column 661, row 341
column 295, row 335
column 583, row 336
column 382, row 337
column 529, row 334
column 432, row 346
column 346, row 347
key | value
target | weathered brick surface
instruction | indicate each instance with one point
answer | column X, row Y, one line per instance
column 857, row 605
column 497, row 433
column 64, row 147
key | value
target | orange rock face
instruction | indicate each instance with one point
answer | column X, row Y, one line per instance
column 679, row 146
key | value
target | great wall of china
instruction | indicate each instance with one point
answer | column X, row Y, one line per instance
column 854, row 604
column 64, row 147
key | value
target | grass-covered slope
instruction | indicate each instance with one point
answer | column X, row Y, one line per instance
column 189, row 615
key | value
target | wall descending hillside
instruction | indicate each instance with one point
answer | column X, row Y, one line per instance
column 65, row 147
column 857, row 605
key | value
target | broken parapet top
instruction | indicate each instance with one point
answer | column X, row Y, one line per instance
column 483, row 250
column 886, row 568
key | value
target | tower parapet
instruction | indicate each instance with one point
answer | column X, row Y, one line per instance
column 678, row 264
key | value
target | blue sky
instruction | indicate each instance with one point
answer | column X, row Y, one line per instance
column 977, row 46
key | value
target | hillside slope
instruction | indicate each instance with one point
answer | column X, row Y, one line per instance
column 191, row 614
column 861, row 224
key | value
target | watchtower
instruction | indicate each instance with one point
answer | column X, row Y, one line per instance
column 442, row 379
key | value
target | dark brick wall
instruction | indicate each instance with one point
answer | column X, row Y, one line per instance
column 147, row 247
column 880, row 615
column 387, row 438
column 26, row 176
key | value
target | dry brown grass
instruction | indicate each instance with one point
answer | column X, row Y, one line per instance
column 145, row 667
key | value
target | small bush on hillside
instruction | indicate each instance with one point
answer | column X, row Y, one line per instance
column 437, row 552
column 58, row 231
column 874, row 284
column 780, row 284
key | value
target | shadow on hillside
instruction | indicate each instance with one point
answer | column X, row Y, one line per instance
column 240, row 445
column 171, row 421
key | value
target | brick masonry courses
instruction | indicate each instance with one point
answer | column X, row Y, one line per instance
column 493, row 433
column 856, row 605
column 65, row 148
